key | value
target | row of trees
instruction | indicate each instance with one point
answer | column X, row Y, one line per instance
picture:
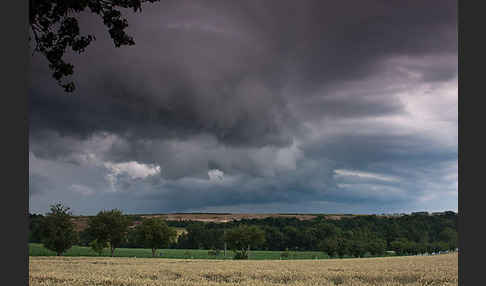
column 111, row 229
column 108, row 229
column 355, row 236
column 322, row 237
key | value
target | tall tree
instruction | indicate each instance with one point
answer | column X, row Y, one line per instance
column 58, row 232
column 154, row 233
column 109, row 227
column 242, row 238
column 55, row 28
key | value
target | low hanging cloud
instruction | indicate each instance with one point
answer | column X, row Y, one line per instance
column 340, row 173
column 133, row 170
column 215, row 175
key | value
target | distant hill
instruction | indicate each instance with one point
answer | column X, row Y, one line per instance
column 81, row 222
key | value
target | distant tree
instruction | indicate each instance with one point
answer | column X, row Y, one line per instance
column 84, row 238
column 98, row 246
column 201, row 236
column 55, row 28
column 109, row 227
column 329, row 245
column 242, row 238
column 449, row 236
column 309, row 238
column 195, row 236
column 325, row 230
column 376, row 246
column 357, row 248
column 58, row 232
column 392, row 230
column 343, row 247
column 291, row 236
column 214, row 239
column 400, row 246
column 132, row 240
column 154, row 233
column 274, row 238
column 327, row 235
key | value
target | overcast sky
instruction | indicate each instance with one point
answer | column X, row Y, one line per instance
column 254, row 106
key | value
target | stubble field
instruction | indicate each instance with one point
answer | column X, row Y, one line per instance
column 412, row 270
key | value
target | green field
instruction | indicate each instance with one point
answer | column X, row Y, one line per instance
column 37, row 249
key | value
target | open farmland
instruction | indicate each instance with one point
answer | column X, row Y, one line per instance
column 411, row 270
column 37, row 249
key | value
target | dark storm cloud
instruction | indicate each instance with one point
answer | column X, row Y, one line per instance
column 301, row 188
column 361, row 150
column 187, row 193
column 221, row 69
column 38, row 184
column 345, row 40
column 266, row 92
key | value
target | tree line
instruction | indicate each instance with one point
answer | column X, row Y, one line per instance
column 356, row 236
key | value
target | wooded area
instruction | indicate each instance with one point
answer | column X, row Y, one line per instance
column 354, row 236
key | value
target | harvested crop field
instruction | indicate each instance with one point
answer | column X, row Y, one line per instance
column 411, row 270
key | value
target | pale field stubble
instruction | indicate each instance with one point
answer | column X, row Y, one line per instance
column 414, row 270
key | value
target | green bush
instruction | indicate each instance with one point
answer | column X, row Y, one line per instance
column 214, row 252
column 98, row 246
column 240, row 255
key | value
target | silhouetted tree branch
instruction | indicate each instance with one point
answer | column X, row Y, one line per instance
column 55, row 29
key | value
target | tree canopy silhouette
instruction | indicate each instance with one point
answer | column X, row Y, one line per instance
column 109, row 227
column 55, row 28
column 154, row 233
column 59, row 233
